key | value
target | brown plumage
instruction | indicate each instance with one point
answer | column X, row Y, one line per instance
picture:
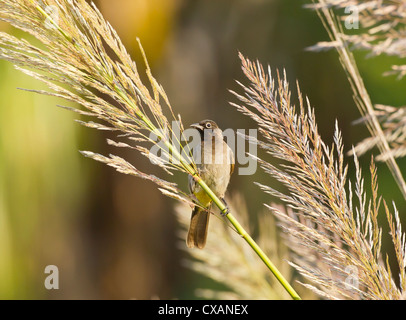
column 215, row 164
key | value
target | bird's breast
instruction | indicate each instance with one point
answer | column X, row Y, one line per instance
column 215, row 166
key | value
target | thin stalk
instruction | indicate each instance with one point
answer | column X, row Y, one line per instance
column 241, row 231
column 361, row 96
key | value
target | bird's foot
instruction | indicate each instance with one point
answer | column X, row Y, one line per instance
column 227, row 209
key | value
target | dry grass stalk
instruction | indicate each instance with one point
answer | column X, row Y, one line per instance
column 393, row 120
column 382, row 25
column 369, row 11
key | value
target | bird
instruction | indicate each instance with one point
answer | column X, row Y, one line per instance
column 215, row 164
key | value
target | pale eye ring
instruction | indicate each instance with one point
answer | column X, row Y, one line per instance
column 208, row 125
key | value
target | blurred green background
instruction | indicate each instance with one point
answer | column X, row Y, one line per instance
column 59, row 208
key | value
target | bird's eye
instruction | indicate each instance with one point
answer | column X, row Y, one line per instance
column 208, row 125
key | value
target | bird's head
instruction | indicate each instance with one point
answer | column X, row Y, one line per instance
column 207, row 128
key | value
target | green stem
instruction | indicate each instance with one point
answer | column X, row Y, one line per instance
column 263, row 257
column 241, row 231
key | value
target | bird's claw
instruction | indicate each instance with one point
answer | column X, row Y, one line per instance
column 225, row 212
column 227, row 209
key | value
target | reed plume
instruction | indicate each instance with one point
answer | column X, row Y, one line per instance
column 381, row 25
column 381, row 31
column 331, row 226
column 74, row 63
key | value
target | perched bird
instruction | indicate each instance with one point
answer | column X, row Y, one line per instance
column 215, row 164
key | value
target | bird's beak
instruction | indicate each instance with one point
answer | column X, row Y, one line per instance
column 197, row 126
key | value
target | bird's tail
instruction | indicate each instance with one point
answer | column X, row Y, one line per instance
column 199, row 224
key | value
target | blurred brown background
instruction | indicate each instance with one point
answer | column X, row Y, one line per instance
column 113, row 236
